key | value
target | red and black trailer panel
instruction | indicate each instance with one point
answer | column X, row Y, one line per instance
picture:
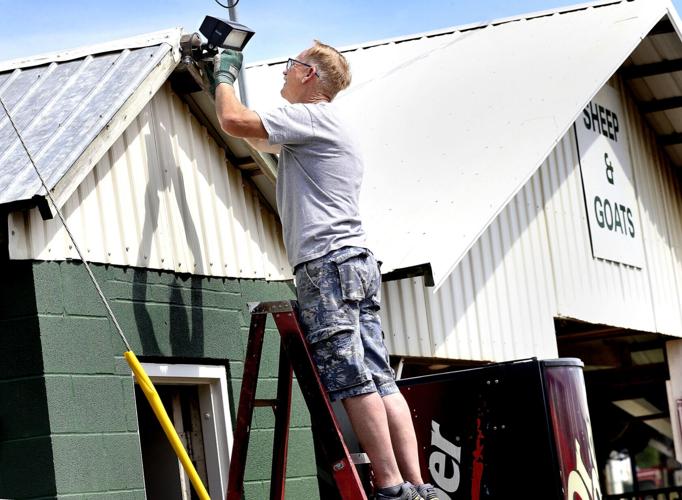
column 509, row 430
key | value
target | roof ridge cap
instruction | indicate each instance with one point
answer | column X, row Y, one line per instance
column 528, row 16
column 170, row 36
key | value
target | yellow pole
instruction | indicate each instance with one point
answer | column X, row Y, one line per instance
column 160, row 412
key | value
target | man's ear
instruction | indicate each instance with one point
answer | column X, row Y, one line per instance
column 309, row 74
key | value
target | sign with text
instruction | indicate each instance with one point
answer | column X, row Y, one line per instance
column 608, row 180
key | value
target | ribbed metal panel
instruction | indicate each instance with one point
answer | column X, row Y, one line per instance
column 534, row 263
column 59, row 109
column 163, row 197
column 495, row 306
column 588, row 289
column 660, row 206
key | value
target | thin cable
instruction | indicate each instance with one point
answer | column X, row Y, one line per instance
column 73, row 240
column 228, row 6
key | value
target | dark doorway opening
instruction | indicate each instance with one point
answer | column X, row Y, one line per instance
column 163, row 474
column 625, row 377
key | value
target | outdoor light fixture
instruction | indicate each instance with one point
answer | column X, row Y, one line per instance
column 225, row 34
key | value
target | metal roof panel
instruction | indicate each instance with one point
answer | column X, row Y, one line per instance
column 62, row 106
column 452, row 132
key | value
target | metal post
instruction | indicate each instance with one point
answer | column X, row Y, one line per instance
column 232, row 12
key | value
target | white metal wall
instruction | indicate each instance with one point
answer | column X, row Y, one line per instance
column 497, row 305
column 163, row 197
column 535, row 263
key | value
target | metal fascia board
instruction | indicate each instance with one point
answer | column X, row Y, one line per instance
column 453, row 29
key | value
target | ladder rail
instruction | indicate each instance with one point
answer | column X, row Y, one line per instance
column 247, row 399
column 294, row 358
column 280, row 443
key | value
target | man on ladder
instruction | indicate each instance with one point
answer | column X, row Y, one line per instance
column 337, row 278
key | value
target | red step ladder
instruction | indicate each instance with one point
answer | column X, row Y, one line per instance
column 294, row 357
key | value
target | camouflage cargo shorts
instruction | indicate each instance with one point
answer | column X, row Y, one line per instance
column 338, row 298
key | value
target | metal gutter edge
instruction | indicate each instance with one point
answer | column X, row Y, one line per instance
column 130, row 109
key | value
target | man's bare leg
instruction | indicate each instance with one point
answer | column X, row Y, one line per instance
column 403, row 437
column 367, row 415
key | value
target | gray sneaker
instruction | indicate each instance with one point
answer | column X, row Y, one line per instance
column 407, row 492
column 427, row 491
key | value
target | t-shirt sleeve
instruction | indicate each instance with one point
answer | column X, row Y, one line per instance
column 291, row 124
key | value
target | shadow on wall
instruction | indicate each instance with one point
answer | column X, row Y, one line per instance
column 185, row 321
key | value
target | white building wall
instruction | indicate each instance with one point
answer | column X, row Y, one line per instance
column 534, row 263
column 659, row 190
column 163, row 197
column 495, row 306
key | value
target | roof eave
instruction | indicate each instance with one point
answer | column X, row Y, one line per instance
column 267, row 163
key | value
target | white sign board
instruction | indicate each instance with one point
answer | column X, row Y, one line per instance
column 609, row 191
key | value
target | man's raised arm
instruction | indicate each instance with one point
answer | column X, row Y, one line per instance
column 235, row 118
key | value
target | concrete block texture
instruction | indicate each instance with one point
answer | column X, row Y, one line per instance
column 97, row 462
column 27, row 468
column 76, row 344
column 87, row 404
column 82, row 412
column 23, row 411
column 20, row 349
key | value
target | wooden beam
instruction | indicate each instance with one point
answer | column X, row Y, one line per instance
column 657, row 68
column 661, row 104
column 670, row 139
column 635, row 375
column 663, row 27
column 411, row 272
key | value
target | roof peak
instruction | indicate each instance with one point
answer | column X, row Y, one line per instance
column 169, row 36
column 464, row 27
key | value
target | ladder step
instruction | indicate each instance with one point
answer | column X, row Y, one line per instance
column 360, row 458
column 260, row 403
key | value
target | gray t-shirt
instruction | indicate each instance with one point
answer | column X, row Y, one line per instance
column 318, row 180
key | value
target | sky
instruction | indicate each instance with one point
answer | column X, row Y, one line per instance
column 283, row 28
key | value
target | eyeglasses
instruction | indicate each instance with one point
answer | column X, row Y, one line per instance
column 291, row 62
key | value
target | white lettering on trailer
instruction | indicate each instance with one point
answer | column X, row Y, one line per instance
column 580, row 482
column 438, row 461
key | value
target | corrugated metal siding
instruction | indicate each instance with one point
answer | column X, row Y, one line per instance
column 59, row 109
column 163, row 197
column 495, row 306
column 659, row 194
column 535, row 263
column 588, row 289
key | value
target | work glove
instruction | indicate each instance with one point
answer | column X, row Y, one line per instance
column 226, row 66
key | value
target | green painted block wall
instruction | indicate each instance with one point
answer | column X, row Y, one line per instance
column 81, row 410
column 26, row 461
